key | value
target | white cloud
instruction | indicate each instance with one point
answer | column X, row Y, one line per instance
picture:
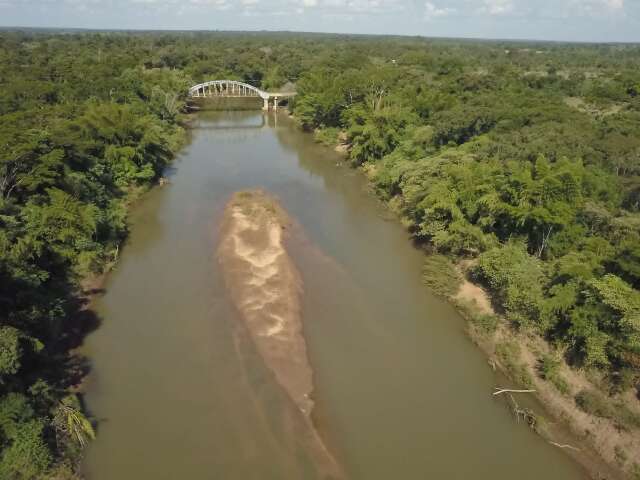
column 597, row 8
column 615, row 4
column 497, row 7
column 433, row 11
column 348, row 7
column 553, row 19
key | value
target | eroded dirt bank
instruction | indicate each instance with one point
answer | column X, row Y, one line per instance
column 266, row 288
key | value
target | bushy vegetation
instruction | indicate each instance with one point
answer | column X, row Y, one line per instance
column 525, row 158
column 549, row 369
column 485, row 323
column 327, row 136
column 508, row 354
column 440, row 275
column 83, row 126
column 595, row 403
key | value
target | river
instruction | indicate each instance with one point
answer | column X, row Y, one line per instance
column 400, row 391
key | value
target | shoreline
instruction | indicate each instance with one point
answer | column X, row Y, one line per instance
column 91, row 287
column 573, row 430
column 266, row 289
column 551, row 421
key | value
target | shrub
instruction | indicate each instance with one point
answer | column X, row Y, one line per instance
column 440, row 275
column 27, row 457
column 10, row 350
column 620, row 454
column 622, row 380
column 485, row 322
column 508, row 354
column 594, row 403
column 14, row 411
column 517, row 279
column 549, row 369
column 327, row 136
column 598, row 405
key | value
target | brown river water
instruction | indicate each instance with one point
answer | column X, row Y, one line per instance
column 181, row 392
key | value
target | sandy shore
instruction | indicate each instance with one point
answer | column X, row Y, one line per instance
column 266, row 288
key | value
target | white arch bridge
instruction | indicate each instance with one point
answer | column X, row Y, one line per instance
column 236, row 89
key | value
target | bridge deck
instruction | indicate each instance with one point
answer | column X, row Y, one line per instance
column 235, row 95
column 237, row 89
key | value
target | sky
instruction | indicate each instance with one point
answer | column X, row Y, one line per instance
column 572, row 20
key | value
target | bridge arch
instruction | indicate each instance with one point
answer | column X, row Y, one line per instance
column 235, row 88
column 226, row 88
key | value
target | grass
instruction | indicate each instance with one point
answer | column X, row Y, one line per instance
column 485, row 322
column 595, row 403
column 440, row 275
column 620, row 454
column 508, row 354
column 549, row 369
column 327, row 136
column 255, row 203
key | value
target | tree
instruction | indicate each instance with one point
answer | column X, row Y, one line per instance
column 518, row 280
column 71, row 422
column 10, row 351
column 27, row 456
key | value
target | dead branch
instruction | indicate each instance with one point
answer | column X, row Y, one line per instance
column 523, row 413
column 508, row 390
column 571, row 447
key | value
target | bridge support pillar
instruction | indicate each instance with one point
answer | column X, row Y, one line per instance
column 265, row 105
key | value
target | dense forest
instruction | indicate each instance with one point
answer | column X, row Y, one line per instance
column 526, row 159
column 521, row 159
column 518, row 167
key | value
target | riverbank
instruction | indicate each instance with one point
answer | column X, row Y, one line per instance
column 604, row 446
column 520, row 356
column 91, row 286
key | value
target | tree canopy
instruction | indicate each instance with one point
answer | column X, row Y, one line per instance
column 524, row 157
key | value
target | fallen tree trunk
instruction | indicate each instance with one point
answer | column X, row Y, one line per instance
column 508, row 390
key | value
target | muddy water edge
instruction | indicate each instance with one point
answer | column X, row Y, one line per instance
column 181, row 391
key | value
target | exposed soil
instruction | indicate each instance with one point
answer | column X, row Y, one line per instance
column 598, row 435
column 592, row 441
column 471, row 293
column 343, row 144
